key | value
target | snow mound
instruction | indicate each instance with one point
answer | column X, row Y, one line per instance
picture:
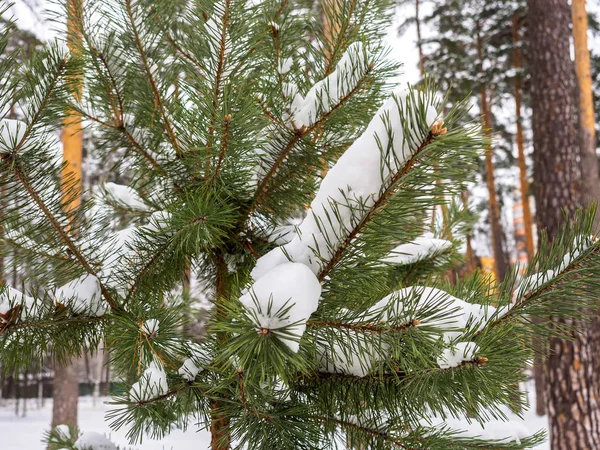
column 419, row 249
column 284, row 297
column 459, row 353
column 90, row 440
column 11, row 133
column 83, row 296
column 9, row 298
column 152, row 384
column 327, row 93
column 126, row 196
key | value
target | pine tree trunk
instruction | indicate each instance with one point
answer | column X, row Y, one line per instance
column 572, row 384
column 500, row 262
column 66, row 393
column 66, row 385
column 538, row 360
column 219, row 427
column 524, row 185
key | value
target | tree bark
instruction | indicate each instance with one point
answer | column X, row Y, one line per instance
column 538, row 360
column 589, row 160
column 66, row 385
column 219, row 427
column 66, row 394
column 501, row 265
column 572, row 394
column 523, row 183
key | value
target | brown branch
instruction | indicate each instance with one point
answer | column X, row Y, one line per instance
column 61, row 231
column 157, row 96
column 298, row 135
column 220, row 69
column 50, row 323
column 244, row 400
column 377, row 207
column 363, row 327
column 42, row 106
column 223, row 152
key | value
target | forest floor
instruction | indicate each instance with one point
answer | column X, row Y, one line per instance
column 26, row 433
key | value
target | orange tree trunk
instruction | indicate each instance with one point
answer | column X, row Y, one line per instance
column 66, row 384
column 589, row 160
column 572, row 379
column 524, row 185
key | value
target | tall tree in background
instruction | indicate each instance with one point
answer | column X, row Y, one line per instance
column 66, row 383
column 518, row 94
column 572, row 382
column 589, row 159
column 458, row 58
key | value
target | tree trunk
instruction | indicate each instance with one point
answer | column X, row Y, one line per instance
column 66, row 387
column 500, row 262
column 589, row 160
column 219, row 427
column 572, row 395
column 66, row 393
column 538, row 360
column 524, row 185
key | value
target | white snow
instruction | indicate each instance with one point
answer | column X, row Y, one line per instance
column 159, row 221
column 152, row 384
column 91, row 440
column 189, row 369
column 126, row 196
column 356, row 356
column 285, row 65
column 11, row 133
column 457, row 354
column 413, row 303
column 419, row 249
column 150, row 327
column 82, row 295
column 356, row 179
column 285, row 296
column 325, row 94
column 20, row 433
column 10, row 297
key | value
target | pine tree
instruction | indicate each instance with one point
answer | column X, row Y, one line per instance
column 330, row 323
column 459, row 56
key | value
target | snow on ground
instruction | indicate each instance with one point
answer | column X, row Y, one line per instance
column 20, row 433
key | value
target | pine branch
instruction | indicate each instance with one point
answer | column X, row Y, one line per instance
column 42, row 106
column 219, row 71
column 378, row 434
column 363, row 327
column 80, row 320
column 223, row 152
column 118, row 109
column 529, row 297
column 157, row 95
column 339, row 41
column 62, row 232
column 262, row 190
column 378, row 206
